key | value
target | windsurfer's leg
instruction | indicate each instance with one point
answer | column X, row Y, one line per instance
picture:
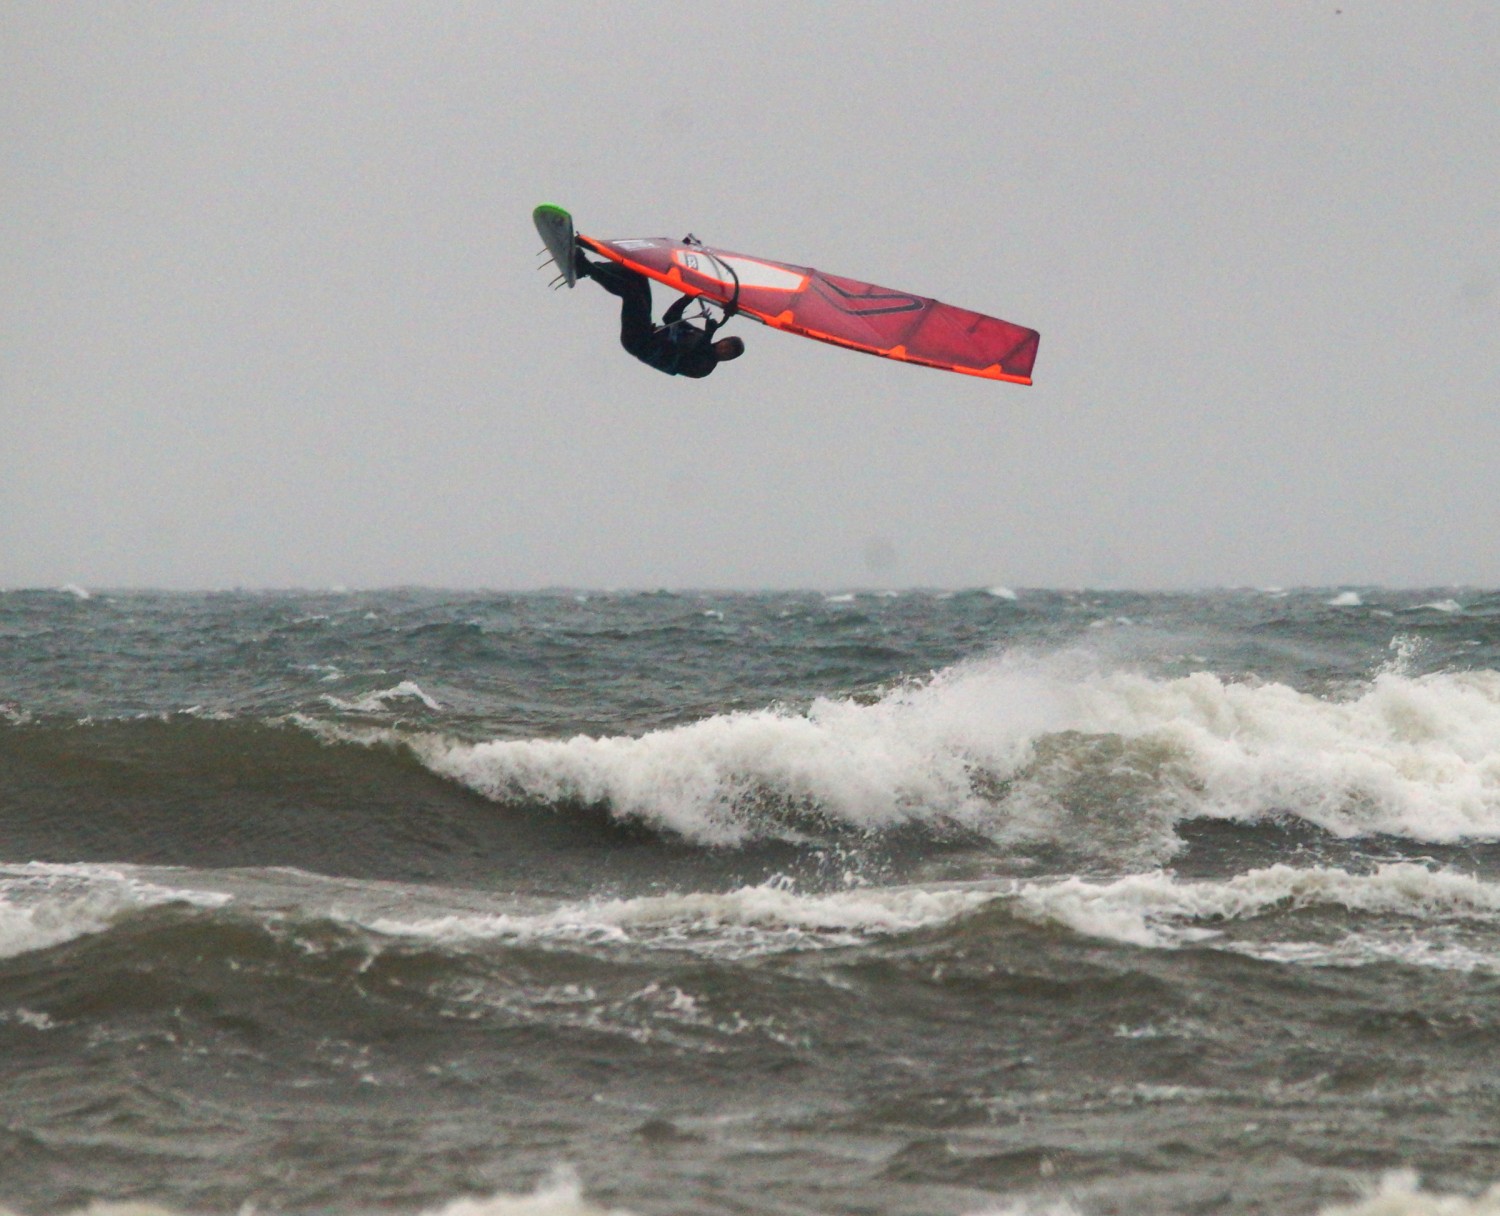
column 636, row 326
column 634, row 291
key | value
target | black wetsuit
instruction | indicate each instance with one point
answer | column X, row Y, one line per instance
column 675, row 346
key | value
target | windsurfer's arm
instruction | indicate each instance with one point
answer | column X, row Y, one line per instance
column 713, row 323
column 729, row 310
column 674, row 314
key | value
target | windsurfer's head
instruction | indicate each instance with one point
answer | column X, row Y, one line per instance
column 728, row 348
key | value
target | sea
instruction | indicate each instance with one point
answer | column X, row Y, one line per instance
column 916, row 903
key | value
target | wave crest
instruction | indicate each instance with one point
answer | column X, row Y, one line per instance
column 1018, row 749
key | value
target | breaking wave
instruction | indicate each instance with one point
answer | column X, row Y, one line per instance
column 1018, row 748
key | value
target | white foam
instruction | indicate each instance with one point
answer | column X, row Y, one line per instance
column 44, row 905
column 1417, row 757
column 1443, row 606
column 1396, row 1194
column 1158, row 910
column 1346, row 599
column 379, row 702
column 1414, row 914
column 77, row 592
column 751, row 920
column 1051, row 1205
column 558, row 1194
column 733, row 777
column 1003, row 593
column 1399, row 1194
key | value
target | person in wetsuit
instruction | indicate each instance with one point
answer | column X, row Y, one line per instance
column 676, row 347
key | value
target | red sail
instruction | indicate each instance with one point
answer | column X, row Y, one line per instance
column 846, row 312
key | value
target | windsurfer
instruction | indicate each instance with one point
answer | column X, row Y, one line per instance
column 676, row 347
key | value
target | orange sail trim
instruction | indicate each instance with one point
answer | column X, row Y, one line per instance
column 845, row 312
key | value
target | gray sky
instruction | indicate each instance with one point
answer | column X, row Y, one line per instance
column 269, row 314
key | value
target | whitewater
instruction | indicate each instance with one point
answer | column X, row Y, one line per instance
column 1417, row 757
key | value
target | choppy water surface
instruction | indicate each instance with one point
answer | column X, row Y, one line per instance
column 942, row 904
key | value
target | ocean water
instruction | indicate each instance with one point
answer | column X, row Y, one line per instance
column 939, row 904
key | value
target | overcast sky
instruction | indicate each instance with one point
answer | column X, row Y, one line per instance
column 270, row 314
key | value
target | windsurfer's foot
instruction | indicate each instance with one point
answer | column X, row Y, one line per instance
column 582, row 267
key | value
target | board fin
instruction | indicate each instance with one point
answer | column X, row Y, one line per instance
column 556, row 229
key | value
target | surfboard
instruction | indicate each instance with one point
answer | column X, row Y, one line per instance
column 556, row 228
